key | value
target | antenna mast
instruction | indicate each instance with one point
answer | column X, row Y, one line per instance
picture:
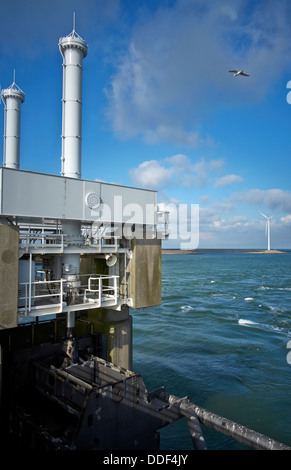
column 74, row 22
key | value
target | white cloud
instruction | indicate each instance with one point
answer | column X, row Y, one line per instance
column 175, row 69
column 204, row 199
column 216, row 164
column 286, row 220
column 239, row 231
column 227, row 180
column 175, row 170
column 274, row 199
column 175, row 135
column 179, row 160
column 222, row 225
column 151, row 174
column 223, row 206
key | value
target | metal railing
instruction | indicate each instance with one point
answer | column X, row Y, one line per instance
column 87, row 291
column 37, row 241
column 96, row 289
column 162, row 225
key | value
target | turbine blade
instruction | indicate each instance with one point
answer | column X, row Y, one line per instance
column 263, row 214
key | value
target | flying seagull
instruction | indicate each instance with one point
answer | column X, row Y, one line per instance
column 238, row 72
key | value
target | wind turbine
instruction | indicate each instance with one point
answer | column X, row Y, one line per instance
column 267, row 227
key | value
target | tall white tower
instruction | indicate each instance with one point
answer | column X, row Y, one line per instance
column 12, row 98
column 73, row 49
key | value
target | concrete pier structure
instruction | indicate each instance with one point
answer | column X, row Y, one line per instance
column 73, row 264
column 9, row 243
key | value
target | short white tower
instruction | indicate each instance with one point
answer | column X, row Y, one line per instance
column 73, row 49
column 12, row 98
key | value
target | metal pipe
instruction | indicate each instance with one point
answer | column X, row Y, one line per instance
column 70, row 324
column 115, row 289
column 125, row 278
column 100, row 291
column 61, row 294
column 237, row 431
column 194, row 426
column 30, row 276
column 223, row 425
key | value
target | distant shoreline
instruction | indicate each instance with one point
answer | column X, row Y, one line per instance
column 221, row 250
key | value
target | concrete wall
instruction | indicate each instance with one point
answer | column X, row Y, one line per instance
column 145, row 273
column 8, row 276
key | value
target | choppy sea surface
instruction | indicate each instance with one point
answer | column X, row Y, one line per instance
column 221, row 337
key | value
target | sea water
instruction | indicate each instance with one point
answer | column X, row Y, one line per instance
column 221, row 337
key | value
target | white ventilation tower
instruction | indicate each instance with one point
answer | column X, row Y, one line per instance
column 12, row 98
column 73, row 49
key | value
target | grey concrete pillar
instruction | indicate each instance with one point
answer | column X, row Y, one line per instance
column 119, row 347
column 9, row 247
column 117, row 327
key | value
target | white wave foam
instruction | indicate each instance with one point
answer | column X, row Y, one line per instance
column 249, row 298
column 246, row 322
column 275, row 309
column 186, row 308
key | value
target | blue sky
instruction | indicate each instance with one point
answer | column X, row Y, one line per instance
column 160, row 108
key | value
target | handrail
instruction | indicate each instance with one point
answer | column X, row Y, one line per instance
column 29, row 237
column 164, row 223
column 58, row 241
column 36, row 292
